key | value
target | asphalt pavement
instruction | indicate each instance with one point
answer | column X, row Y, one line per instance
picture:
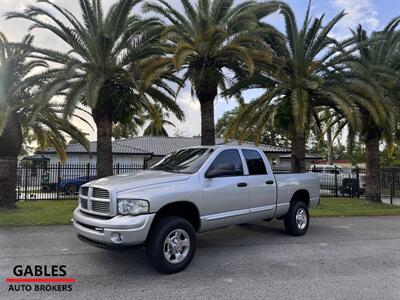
column 339, row 258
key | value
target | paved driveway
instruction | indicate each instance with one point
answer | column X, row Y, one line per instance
column 339, row 258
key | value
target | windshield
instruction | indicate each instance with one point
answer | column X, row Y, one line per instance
column 184, row 161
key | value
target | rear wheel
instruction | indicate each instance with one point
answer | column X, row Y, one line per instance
column 71, row 188
column 171, row 245
column 297, row 219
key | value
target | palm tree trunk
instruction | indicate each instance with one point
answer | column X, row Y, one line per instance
column 206, row 98
column 373, row 176
column 103, row 119
column 298, row 148
column 11, row 139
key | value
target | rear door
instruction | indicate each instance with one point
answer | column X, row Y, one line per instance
column 261, row 185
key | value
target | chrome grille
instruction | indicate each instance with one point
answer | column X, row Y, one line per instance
column 84, row 191
column 84, row 203
column 101, row 207
column 100, row 193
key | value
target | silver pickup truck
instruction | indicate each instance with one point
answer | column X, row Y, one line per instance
column 191, row 190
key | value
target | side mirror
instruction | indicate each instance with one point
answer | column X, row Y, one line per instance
column 221, row 170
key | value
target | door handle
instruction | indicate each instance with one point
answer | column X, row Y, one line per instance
column 269, row 182
column 242, row 184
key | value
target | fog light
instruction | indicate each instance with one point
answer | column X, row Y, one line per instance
column 116, row 237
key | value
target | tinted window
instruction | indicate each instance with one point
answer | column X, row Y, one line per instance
column 255, row 163
column 228, row 158
column 184, row 161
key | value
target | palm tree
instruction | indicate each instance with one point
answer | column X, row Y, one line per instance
column 373, row 72
column 108, row 66
column 210, row 41
column 330, row 125
column 157, row 120
column 23, row 113
column 294, row 84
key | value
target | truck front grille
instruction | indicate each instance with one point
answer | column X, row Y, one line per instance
column 96, row 201
column 100, row 193
column 84, row 191
column 101, row 207
column 84, row 203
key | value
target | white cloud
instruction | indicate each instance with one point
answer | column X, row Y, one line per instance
column 357, row 12
column 191, row 107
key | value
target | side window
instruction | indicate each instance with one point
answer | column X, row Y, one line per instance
column 228, row 159
column 255, row 163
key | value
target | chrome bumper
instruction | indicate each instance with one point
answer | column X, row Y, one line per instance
column 117, row 231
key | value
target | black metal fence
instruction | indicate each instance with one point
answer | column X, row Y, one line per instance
column 59, row 181
column 62, row 181
column 350, row 182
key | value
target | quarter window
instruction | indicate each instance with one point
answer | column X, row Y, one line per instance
column 254, row 162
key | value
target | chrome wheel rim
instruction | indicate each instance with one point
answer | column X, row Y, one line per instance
column 301, row 218
column 176, row 246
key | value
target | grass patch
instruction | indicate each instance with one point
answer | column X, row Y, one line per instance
column 60, row 212
column 39, row 213
column 338, row 207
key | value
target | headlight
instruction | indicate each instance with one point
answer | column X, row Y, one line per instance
column 133, row 207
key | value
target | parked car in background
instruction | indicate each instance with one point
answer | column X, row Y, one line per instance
column 71, row 185
column 191, row 190
column 332, row 177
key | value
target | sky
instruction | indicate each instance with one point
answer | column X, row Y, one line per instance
column 372, row 14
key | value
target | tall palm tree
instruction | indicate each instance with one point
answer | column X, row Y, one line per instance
column 373, row 72
column 108, row 66
column 22, row 112
column 211, row 40
column 293, row 83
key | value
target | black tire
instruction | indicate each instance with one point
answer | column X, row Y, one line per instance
column 156, row 243
column 46, row 188
column 71, row 189
column 291, row 225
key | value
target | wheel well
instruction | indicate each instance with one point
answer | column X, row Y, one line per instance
column 301, row 195
column 183, row 209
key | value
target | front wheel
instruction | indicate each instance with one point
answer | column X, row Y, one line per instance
column 297, row 219
column 171, row 245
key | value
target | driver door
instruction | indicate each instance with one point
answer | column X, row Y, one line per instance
column 226, row 198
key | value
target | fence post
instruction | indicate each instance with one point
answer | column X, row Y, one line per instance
column 117, row 168
column 358, row 182
column 26, row 181
column 336, row 183
column 392, row 187
column 58, row 180
column 88, row 171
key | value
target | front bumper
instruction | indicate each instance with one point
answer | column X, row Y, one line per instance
column 132, row 230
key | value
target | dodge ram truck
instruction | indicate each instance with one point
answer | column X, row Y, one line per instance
column 190, row 191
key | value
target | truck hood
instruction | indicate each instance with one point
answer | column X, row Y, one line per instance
column 124, row 182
